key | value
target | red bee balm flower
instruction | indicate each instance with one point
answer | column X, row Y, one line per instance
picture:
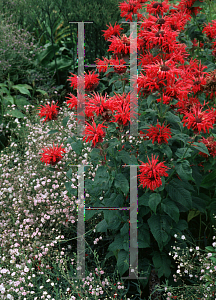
column 210, row 143
column 159, row 133
column 51, row 156
column 48, row 111
column 151, row 173
column 94, row 134
column 91, row 81
column 112, row 31
column 199, row 120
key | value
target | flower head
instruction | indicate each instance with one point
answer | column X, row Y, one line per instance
column 48, row 111
column 159, row 133
column 199, row 120
column 94, row 133
column 52, row 155
column 91, row 81
column 151, row 173
column 112, row 31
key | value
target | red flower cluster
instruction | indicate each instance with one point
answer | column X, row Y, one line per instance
column 91, row 81
column 199, row 120
column 52, row 155
column 94, row 133
column 112, row 31
column 210, row 30
column 151, row 173
column 48, row 111
column 158, row 133
column 129, row 8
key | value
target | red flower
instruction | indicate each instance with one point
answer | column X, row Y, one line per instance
column 73, row 101
column 102, row 65
column 130, row 8
column 210, row 144
column 120, row 46
column 112, row 31
column 159, row 133
column 199, row 120
column 100, row 105
column 119, row 66
column 49, row 111
column 94, row 134
column 151, row 173
column 210, row 30
column 52, row 155
column 91, row 81
column 157, row 7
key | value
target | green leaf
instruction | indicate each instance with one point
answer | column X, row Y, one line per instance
column 171, row 209
column 15, row 113
column 167, row 150
column 122, row 183
column 77, row 147
column 201, row 147
column 10, row 99
column 65, row 120
column 154, row 200
column 192, row 214
column 184, row 170
column 150, row 99
column 102, row 226
column 109, row 70
column 89, row 213
column 41, row 91
column 171, row 118
column 209, row 180
column 53, row 131
column 162, row 263
column 144, row 199
column 143, row 236
column 69, row 174
column 179, row 194
column 123, row 261
column 183, row 152
column 21, row 89
column 117, row 244
column 159, row 228
column 112, row 219
column 70, row 190
column 21, row 101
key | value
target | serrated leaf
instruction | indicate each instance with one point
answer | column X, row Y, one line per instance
column 159, row 227
column 179, row 194
column 184, row 170
column 102, row 226
column 209, row 180
column 162, row 263
column 201, row 147
column 123, row 261
column 153, row 202
column 122, row 183
column 183, row 152
column 171, row 209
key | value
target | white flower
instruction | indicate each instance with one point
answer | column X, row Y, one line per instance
column 183, row 237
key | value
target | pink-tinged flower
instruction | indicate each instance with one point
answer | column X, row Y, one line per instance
column 91, row 81
column 94, row 133
column 199, row 120
column 151, row 173
column 112, row 31
column 48, row 111
column 210, row 143
column 52, row 155
column 159, row 133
